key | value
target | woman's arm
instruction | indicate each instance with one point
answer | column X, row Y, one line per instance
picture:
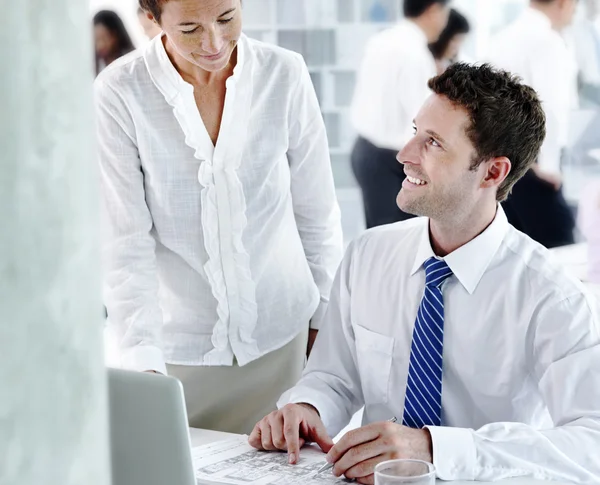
column 129, row 261
column 313, row 192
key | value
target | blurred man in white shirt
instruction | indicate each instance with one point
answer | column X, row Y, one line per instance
column 533, row 48
column 391, row 87
column 584, row 37
column 462, row 327
column 150, row 27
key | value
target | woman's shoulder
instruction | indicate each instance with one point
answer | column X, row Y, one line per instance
column 122, row 70
column 275, row 57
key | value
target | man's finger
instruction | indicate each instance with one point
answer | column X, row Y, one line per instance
column 276, row 422
column 363, row 469
column 358, row 457
column 265, row 435
column 255, row 439
column 291, row 433
column 370, row 480
column 351, row 440
column 322, row 438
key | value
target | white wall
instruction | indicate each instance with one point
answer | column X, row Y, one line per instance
column 53, row 406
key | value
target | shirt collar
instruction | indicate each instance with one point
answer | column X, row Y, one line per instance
column 469, row 262
column 537, row 19
column 168, row 80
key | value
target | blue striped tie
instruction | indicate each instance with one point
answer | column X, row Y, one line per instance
column 423, row 401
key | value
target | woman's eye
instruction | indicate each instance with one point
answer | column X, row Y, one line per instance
column 225, row 21
column 189, row 31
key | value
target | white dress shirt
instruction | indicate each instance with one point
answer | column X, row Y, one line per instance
column 392, row 85
column 532, row 49
column 585, row 39
column 521, row 368
column 214, row 252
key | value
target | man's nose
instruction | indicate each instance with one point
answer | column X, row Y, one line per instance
column 408, row 154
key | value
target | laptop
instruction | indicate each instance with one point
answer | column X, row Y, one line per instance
column 150, row 441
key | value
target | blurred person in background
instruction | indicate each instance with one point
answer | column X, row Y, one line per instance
column 588, row 221
column 391, row 87
column 584, row 36
column 151, row 28
column 533, row 48
column 222, row 231
column 446, row 50
column 110, row 38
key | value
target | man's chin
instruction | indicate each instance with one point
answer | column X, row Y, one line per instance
column 407, row 207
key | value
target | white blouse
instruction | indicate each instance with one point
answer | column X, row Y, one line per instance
column 214, row 252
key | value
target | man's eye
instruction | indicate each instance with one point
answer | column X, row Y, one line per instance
column 189, row 31
column 433, row 142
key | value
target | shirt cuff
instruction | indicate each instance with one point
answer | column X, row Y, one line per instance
column 315, row 322
column 454, row 454
column 144, row 358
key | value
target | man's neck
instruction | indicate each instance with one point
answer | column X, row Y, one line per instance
column 449, row 235
column 545, row 9
column 422, row 26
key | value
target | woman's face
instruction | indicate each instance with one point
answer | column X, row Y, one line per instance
column 105, row 41
column 454, row 46
column 203, row 32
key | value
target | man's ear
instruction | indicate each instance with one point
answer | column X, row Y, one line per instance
column 497, row 170
column 151, row 17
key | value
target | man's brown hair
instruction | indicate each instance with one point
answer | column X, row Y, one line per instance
column 153, row 6
column 506, row 116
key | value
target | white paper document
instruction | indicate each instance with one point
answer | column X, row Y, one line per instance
column 235, row 462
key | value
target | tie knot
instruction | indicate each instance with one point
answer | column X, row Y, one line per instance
column 436, row 272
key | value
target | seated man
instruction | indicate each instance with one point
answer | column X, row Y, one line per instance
column 486, row 350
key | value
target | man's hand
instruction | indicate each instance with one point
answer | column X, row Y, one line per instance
column 359, row 451
column 288, row 429
column 312, row 336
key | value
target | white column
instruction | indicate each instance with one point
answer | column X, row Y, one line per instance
column 53, row 425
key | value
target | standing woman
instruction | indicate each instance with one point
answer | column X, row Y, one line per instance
column 110, row 39
column 223, row 229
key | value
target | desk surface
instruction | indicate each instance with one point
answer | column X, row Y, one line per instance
column 203, row 437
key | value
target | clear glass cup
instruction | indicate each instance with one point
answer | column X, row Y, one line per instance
column 394, row 472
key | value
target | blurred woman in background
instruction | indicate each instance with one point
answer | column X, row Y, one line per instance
column 110, row 38
column 446, row 50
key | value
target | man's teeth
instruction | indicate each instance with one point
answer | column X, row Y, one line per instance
column 415, row 181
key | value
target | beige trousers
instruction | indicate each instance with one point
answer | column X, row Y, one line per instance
column 234, row 398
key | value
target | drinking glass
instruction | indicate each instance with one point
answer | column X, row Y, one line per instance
column 395, row 472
